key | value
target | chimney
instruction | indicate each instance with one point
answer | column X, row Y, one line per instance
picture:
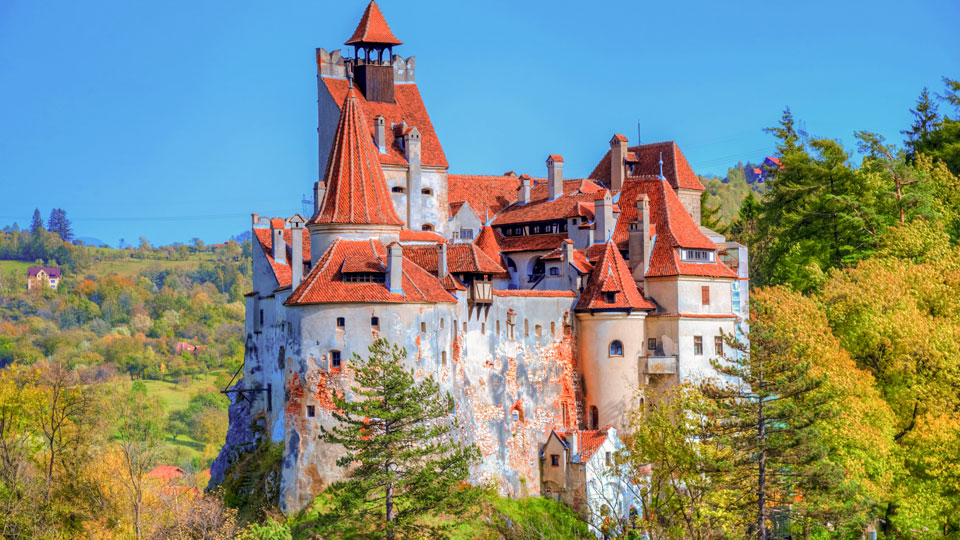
column 442, row 261
column 278, row 245
column 574, row 443
column 395, row 268
column 618, row 152
column 523, row 194
column 555, row 175
column 296, row 250
column 411, row 146
column 319, row 188
column 640, row 243
column 569, row 272
column 380, row 133
column 603, row 217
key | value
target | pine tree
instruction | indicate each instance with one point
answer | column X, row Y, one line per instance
column 405, row 464
column 769, row 414
column 710, row 216
column 58, row 223
column 37, row 224
column 925, row 118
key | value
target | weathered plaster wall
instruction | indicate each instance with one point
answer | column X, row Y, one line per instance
column 611, row 382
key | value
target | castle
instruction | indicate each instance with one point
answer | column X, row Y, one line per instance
column 543, row 305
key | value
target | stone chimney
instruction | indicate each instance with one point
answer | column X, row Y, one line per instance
column 380, row 133
column 523, row 194
column 395, row 268
column 569, row 273
column 442, row 260
column 278, row 246
column 640, row 243
column 603, row 217
column 555, row 175
column 319, row 188
column 618, row 152
column 411, row 146
column 296, row 250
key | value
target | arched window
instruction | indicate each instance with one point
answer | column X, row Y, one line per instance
column 426, row 191
column 616, row 348
column 594, row 417
column 426, row 227
column 398, row 189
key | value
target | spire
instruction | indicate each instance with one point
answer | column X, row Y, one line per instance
column 356, row 188
column 373, row 29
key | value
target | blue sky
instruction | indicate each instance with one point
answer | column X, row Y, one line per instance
column 177, row 119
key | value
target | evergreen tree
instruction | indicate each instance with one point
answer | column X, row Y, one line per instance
column 710, row 216
column 942, row 139
column 37, row 224
column 405, row 464
column 925, row 117
column 770, row 414
column 58, row 223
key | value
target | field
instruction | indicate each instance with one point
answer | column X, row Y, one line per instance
column 14, row 267
column 132, row 267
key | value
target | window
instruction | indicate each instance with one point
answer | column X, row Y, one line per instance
column 526, row 328
column 341, row 322
column 609, row 458
column 498, row 327
column 261, row 317
column 364, row 277
column 426, row 227
column 441, row 323
column 594, row 417
column 398, row 189
column 698, row 345
column 705, row 295
column 466, row 234
column 611, row 297
column 652, row 344
column 311, row 411
column 564, row 411
column 554, row 271
column 718, row 345
column 464, row 326
column 423, row 326
column 443, row 358
column 426, row 191
column 374, row 321
column 538, row 330
column 616, row 348
column 697, row 255
column 335, row 359
column 516, row 415
column 554, row 460
column 553, row 328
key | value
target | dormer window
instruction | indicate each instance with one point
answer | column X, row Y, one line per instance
column 611, row 297
column 398, row 189
column 364, row 277
column 698, row 255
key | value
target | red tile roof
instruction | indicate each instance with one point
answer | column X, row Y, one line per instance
column 407, row 107
column 620, row 137
column 590, row 442
column 356, row 188
column 673, row 226
column 406, row 235
column 325, row 282
column 577, row 200
column 276, row 223
column 557, row 158
column 166, row 472
column 489, row 241
column 281, row 271
column 676, row 169
column 486, row 195
column 530, row 293
column 53, row 272
column 580, row 261
column 373, row 28
column 451, row 283
column 461, row 258
column 536, row 242
column 611, row 275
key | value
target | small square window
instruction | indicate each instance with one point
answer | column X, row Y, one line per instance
column 341, row 322
column 652, row 344
column 698, row 345
column 335, row 359
column 554, row 271
column 611, row 297
column 554, row 460
column 311, row 411
column 374, row 321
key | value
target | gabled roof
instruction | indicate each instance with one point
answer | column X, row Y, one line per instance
column 673, row 228
column 281, row 270
column 534, row 242
column 406, row 235
column 325, row 283
column 407, row 107
column 53, row 272
column 487, row 195
column 588, row 441
column 356, row 188
column 611, row 275
column 580, row 260
column 676, row 169
column 373, row 28
column 577, row 200
column 462, row 258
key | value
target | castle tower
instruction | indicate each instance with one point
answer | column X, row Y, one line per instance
column 356, row 204
column 373, row 71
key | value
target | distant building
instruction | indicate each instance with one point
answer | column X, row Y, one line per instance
column 42, row 276
column 764, row 171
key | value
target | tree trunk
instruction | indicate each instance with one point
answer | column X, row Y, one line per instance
column 762, row 464
column 389, row 500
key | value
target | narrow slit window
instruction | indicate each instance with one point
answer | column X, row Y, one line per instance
column 698, row 345
column 311, row 411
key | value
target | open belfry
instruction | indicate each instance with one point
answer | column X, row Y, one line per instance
column 542, row 304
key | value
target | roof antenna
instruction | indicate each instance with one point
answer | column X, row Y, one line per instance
column 486, row 218
column 661, row 165
column 638, row 133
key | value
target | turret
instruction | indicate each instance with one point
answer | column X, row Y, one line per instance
column 373, row 44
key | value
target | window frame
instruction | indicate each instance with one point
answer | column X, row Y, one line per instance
column 336, row 360
column 619, row 349
column 698, row 345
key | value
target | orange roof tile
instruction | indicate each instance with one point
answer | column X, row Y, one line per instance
column 281, row 271
column 461, row 258
column 536, row 242
column 373, row 28
column 590, row 442
column 356, row 188
column 676, row 169
column 406, row 235
column 451, row 283
column 580, row 261
column 166, row 472
column 325, row 282
column 556, row 158
column 407, row 107
column 577, row 200
column 530, row 293
column 486, row 195
column 611, row 275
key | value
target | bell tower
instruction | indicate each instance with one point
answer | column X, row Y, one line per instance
column 373, row 44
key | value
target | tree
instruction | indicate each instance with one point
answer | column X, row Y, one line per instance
column 710, row 216
column 397, row 434
column 935, row 136
column 59, row 408
column 884, row 161
column 36, row 225
column 139, row 433
column 58, row 223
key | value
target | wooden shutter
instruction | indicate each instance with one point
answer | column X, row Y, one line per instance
column 705, row 294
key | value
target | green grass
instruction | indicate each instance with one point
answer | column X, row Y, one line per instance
column 176, row 396
column 14, row 268
column 132, row 267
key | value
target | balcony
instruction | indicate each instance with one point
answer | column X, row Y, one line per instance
column 661, row 365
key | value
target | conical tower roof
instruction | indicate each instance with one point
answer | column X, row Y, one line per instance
column 611, row 286
column 356, row 189
column 373, row 29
